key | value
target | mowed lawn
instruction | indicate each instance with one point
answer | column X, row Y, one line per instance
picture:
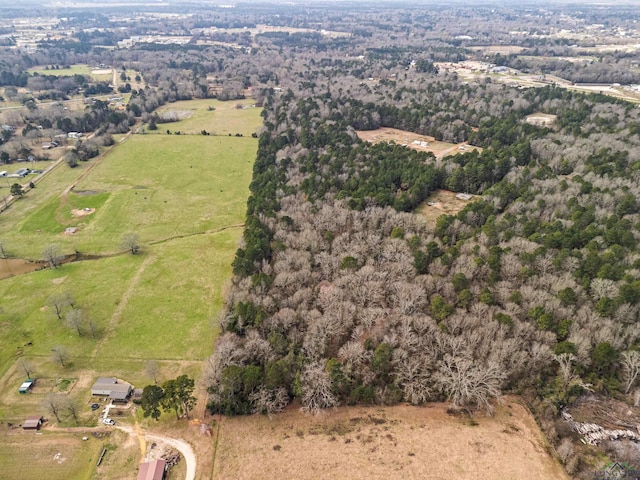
column 215, row 117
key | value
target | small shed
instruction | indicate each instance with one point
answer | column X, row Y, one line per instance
column 33, row 423
column 27, row 385
column 153, row 470
column 137, row 393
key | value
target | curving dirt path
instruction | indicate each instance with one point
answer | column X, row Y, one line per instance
column 183, row 447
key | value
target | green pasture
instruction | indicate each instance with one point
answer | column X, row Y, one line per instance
column 29, row 327
column 161, row 187
column 213, row 116
column 177, row 300
column 186, row 198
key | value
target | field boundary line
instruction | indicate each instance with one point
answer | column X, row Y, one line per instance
column 188, row 235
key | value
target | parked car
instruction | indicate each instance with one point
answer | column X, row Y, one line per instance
column 95, row 406
column 108, row 421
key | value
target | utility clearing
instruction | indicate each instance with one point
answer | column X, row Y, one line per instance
column 386, row 442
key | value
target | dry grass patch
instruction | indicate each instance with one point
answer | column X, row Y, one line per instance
column 541, row 119
column 51, row 456
column 421, row 143
column 385, row 442
column 442, row 202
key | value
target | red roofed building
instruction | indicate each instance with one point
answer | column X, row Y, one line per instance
column 153, row 470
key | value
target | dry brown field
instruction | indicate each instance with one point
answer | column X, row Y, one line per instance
column 442, row 202
column 386, row 442
column 402, row 137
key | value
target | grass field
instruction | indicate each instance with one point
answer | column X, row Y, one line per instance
column 164, row 186
column 225, row 118
column 100, row 75
column 188, row 213
column 385, row 442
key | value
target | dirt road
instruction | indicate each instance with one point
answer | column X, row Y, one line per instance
column 183, row 447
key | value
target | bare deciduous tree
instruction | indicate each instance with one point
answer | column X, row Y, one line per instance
column 59, row 354
column 74, row 319
column 26, row 366
column 316, row 389
column 269, row 401
column 72, row 408
column 54, row 403
column 131, row 241
column 51, row 255
column 631, row 363
column 468, row 384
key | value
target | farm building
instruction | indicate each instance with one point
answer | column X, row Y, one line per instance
column 27, row 385
column 33, row 423
column 117, row 391
column 153, row 470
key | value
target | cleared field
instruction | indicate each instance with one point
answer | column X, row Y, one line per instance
column 442, row 202
column 422, row 143
column 542, row 119
column 100, row 74
column 52, row 456
column 214, row 116
column 386, row 442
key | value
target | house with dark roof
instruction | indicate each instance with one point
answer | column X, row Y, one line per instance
column 153, row 470
column 111, row 387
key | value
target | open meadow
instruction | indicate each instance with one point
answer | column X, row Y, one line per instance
column 213, row 116
column 386, row 442
column 98, row 74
